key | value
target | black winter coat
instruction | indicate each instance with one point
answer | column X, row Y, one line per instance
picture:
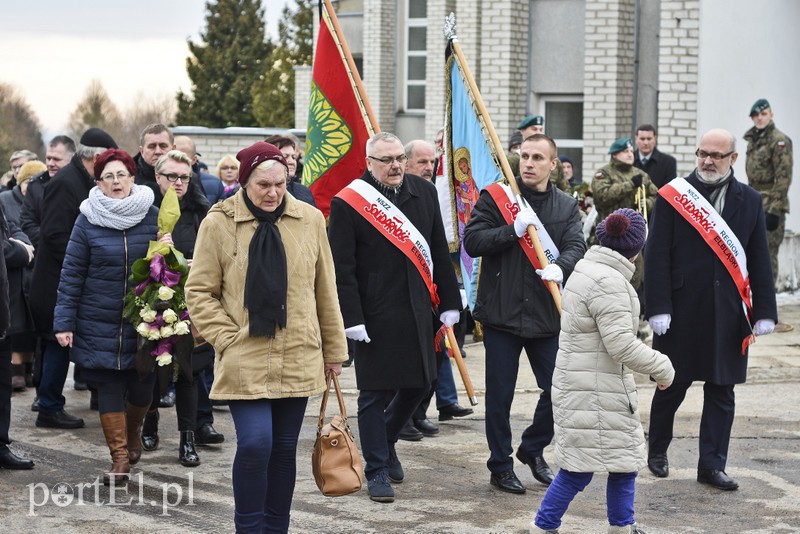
column 511, row 296
column 30, row 218
column 93, row 283
column 380, row 288
column 16, row 257
column 63, row 195
column 686, row 279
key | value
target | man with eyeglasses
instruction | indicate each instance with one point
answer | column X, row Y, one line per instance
column 61, row 206
column 392, row 269
column 707, row 280
column 17, row 160
column 769, row 171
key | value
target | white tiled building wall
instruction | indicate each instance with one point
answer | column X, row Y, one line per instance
column 677, row 87
column 380, row 59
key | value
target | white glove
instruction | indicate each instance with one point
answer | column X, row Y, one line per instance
column 525, row 218
column 357, row 333
column 552, row 273
column 660, row 323
column 764, row 327
column 450, row 317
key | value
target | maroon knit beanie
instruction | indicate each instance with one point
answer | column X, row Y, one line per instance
column 254, row 155
column 624, row 231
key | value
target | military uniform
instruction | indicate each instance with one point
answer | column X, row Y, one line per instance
column 613, row 189
column 769, row 170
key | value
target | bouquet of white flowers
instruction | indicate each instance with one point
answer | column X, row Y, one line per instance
column 156, row 305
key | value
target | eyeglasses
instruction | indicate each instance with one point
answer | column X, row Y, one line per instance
column 388, row 160
column 119, row 176
column 229, row 168
column 172, row 177
column 716, row 156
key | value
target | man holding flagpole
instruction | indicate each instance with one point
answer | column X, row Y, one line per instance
column 515, row 306
column 396, row 287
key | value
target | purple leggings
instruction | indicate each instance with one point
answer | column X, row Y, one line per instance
column 620, row 491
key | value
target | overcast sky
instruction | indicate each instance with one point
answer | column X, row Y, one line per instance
column 51, row 49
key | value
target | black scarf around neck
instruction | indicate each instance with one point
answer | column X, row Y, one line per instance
column 267, row 279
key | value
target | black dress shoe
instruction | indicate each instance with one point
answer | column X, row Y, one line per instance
column 539, row 468
column 9, row 460
column 168, row 400
column 717, row 479
column 658, row 465
column 150, row 431
column 80, row 386
column 454, row 410
column 507, row 482
column 35, row 404
column 427, row 427
column 206, row 435
column 58, row 420
column 409, row 433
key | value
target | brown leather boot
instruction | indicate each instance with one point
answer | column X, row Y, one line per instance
column 135, row 416
column 116, row 434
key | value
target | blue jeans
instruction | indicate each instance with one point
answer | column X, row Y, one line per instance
column 502, row 367
column 620, row 491
column 446, row 394
column 55, row 365
column 264, row 468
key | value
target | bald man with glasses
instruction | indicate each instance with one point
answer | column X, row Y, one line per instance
column 709, row 289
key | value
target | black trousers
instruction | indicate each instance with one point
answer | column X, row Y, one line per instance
column 719, row 407
column 5, row 391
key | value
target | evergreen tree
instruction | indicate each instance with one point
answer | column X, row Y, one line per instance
column 224, row 65
column 273, row 93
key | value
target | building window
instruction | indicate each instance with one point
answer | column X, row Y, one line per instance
column 563, row 121
column 416, row 54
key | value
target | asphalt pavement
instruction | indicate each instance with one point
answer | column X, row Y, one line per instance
column 446, row 489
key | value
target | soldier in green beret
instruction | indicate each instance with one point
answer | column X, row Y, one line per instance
column 615, row 186
column 533, row 124
column 769, row 170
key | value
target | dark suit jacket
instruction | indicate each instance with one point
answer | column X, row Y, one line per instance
column 661, row 167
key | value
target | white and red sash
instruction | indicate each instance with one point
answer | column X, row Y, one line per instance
column 699, row 213
column 507, row 204
column 394, row 226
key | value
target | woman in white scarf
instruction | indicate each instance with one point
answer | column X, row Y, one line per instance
column 116, row 224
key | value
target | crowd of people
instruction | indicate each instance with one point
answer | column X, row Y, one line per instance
column 277, row 297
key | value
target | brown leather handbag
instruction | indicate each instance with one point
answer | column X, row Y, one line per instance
column 335, row 461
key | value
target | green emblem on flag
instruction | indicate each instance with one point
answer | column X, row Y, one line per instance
column 328, row 138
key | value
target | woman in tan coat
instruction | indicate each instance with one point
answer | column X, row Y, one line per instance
column 595, row 405
column 262, row 291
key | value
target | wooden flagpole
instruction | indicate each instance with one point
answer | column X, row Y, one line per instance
column 352, row 71
column 462, row 367
column 501, row 156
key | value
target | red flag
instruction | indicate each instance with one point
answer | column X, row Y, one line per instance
column 337, row 132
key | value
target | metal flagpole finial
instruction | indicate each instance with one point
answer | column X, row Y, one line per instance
column 449, row 28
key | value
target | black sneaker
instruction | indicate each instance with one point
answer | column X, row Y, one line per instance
column 379, row 488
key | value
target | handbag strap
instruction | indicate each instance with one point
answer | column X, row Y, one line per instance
column 331, row 377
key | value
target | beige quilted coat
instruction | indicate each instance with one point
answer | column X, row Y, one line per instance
column 595, row 403
column 291, row 364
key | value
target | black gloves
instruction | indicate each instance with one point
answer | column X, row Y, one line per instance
column 772, row 221
column 637, row 180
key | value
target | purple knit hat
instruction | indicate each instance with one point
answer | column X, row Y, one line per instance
column 624, row 231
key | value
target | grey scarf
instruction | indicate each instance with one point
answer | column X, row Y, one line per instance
column 718, row 188
column 117, row 213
